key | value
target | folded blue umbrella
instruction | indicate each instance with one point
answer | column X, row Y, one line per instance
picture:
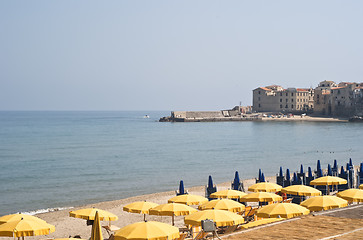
column 281, row 173
column 181, row 187
column 310, row 174
column 318, row 166
column 301, row 169
column 330, row 172
column 294, row 179
column 287, row 174
column 335, row 166
column 236, row 181
column 259, row 175
column 210, row 182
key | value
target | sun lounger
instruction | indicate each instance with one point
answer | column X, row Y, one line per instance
column 111, row 229
column 201, row 235
column 250, row 216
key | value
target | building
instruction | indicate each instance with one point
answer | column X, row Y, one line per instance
column 343, row 99
column 276, row 99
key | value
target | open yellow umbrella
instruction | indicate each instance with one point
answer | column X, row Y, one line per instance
column 265, row 187
column 96, row 229
column 351, row 195
column 142, row 207
column 220, row 217
column 150, row 230
column 261, row 197
column 228, row 194
column 188, row 199
column 284, row 210
column 22, row 228
column 90, row 213
column 223, row 204
column 19, row 216
column 301, row 190
column 172, row 209
column 325, row 202
column 328, row 180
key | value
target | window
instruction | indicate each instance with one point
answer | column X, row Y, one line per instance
column 292, row 105
column 259, row 105
column 280, row 99
column 286, row 106
column 292, row 100
column 259, row 92
column 259, row 99
column 287, row 100
column 292, row 94
column 280, row 105
column 287, row 94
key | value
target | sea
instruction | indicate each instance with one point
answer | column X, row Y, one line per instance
column 61, row 159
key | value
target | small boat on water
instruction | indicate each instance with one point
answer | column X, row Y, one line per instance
column 146, row 116
column 356, row 119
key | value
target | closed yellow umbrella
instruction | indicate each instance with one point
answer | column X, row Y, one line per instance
column 142, row 207
column 188, row 199
column 325, row 202
column 19, row 216
column 228, row 194
column 96, row 229
column 261, row 197
column 22, row 228
column 351, row 195
column 284, row 210
column 223, row 204
column 265, row 187
column 361, row 186
column 172, row 209
column 328, row 180
column 220, row 217
column 89, row 214
column 301, row 190
column 150, row 230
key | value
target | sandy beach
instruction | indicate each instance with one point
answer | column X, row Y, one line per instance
column 68, row 226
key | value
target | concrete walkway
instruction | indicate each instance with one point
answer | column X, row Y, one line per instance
column 343, row 223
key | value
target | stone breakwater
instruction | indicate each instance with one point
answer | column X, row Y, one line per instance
column 209, row 116
column 232, row 115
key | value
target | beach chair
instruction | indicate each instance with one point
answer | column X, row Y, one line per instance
column 182, row 236
column 250, row 216
column 201, row 235
column 111, row 229
column 227, row 230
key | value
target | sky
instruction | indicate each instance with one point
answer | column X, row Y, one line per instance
column 171, row 55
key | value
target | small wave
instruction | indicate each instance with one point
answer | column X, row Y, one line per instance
column 45, row 210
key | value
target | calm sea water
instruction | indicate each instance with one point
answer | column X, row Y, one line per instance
column 64, row 159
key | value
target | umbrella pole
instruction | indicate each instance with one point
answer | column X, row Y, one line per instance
column 172, row 220
column 144, row 217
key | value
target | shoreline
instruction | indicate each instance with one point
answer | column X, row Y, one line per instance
column 68, row 226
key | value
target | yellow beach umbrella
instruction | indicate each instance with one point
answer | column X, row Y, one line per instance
column 223, row 204
column 301, row 190
column 22, row 228
column 19, row 216
column 351, row 195
column 328, row 180
column 228, row 194
column 90, row 213
column 284, row 210
column 220, row 217
column 188, row 199
column 361, row 186
column 96, row 229
column 150, row 230
column 261, row 197
column 172, row 209
column 325, row 202
column 265, row 187
column 142, row 207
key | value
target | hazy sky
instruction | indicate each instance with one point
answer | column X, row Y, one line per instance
column 171, row 55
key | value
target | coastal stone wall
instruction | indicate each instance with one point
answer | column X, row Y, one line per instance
column 197, row 114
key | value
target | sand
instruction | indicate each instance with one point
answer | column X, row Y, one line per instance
column 68, row 226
